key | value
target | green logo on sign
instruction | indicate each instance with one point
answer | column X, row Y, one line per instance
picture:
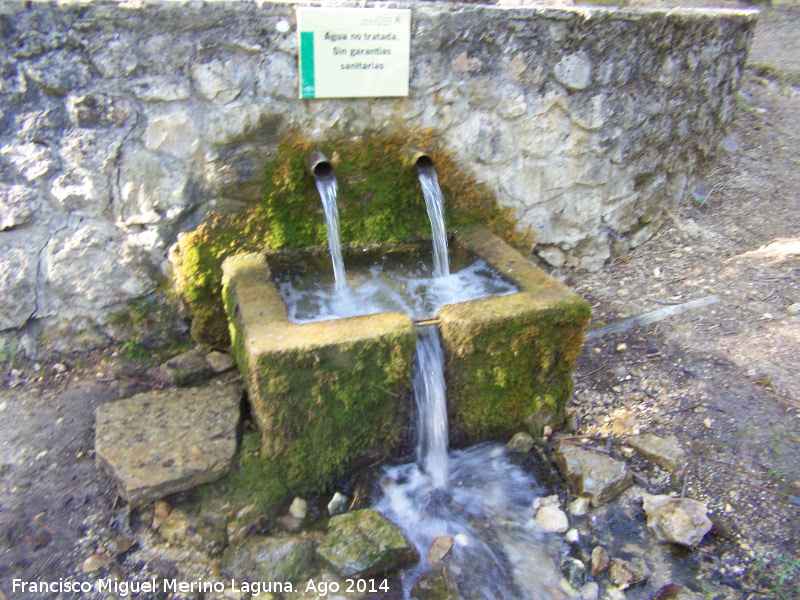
column 307, row 64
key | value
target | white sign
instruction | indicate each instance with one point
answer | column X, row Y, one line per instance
column 353, row 52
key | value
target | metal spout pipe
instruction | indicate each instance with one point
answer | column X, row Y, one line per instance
column 420, row 159
column 319, row 165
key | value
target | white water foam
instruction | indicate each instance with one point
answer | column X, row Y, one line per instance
column 498, row 552
column 412, row 292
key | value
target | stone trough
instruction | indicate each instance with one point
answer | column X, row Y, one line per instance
column 328, row 394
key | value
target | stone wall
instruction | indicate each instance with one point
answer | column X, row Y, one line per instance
column 125, row 123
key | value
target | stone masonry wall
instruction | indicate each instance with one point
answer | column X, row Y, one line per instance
column 125, row 123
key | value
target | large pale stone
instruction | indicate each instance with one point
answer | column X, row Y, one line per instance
column 17, row 205
column 172, row 132
column 82, row 191
column 17, row 287
column 220, row 81
column 591, row 473
column 88, row 268
column 31, row 160
column 278, row 76
column 678, row 520
column 152, row 188
column 490, row 139
column 162, row 442
column 574, row 71
column 544, row 134
column 84, row 187
column 363, row 543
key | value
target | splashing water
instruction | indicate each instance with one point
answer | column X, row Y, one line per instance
column 328, row 189
column 434, row 201
column 402, row 287
column 498, row 551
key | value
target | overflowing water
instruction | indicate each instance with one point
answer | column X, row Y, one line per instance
column 429, row 398
column 328, row 189
column 434, row 201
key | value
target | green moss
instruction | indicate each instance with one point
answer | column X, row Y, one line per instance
column 149, row 329
column 250, row 482
column 379, row 200
column 509, row 370
column 322, row 409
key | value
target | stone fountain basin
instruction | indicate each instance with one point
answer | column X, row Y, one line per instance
column 332, row 394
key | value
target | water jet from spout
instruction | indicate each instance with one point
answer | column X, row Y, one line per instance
column 325, row 179
column 434, row 202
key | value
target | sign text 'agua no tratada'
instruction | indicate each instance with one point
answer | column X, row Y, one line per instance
column 353, row 52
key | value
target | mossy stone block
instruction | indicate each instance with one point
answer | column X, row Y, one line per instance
column 364, row 543
column 326, row 394
column 509, row 358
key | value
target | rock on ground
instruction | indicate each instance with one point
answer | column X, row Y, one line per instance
column 592, row 474
column 188, row 368
column 437, row 584
column 162, row 442
column 362, row 543
column 552, row 518
column 521, row 442
column 194, row 531
column 663, row 451
column 677, row 520
column 262, row 558
column 625, row 574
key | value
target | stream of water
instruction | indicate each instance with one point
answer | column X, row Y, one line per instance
column 327, row 188
column 434, row 202
column 429, row 399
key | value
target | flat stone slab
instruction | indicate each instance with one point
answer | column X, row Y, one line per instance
column 162, row 442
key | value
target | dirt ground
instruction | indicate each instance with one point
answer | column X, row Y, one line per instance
column 724, row 378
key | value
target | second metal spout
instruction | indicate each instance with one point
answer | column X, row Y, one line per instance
column 320, row 165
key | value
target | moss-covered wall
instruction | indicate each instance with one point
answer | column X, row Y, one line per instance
column 379, row 200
